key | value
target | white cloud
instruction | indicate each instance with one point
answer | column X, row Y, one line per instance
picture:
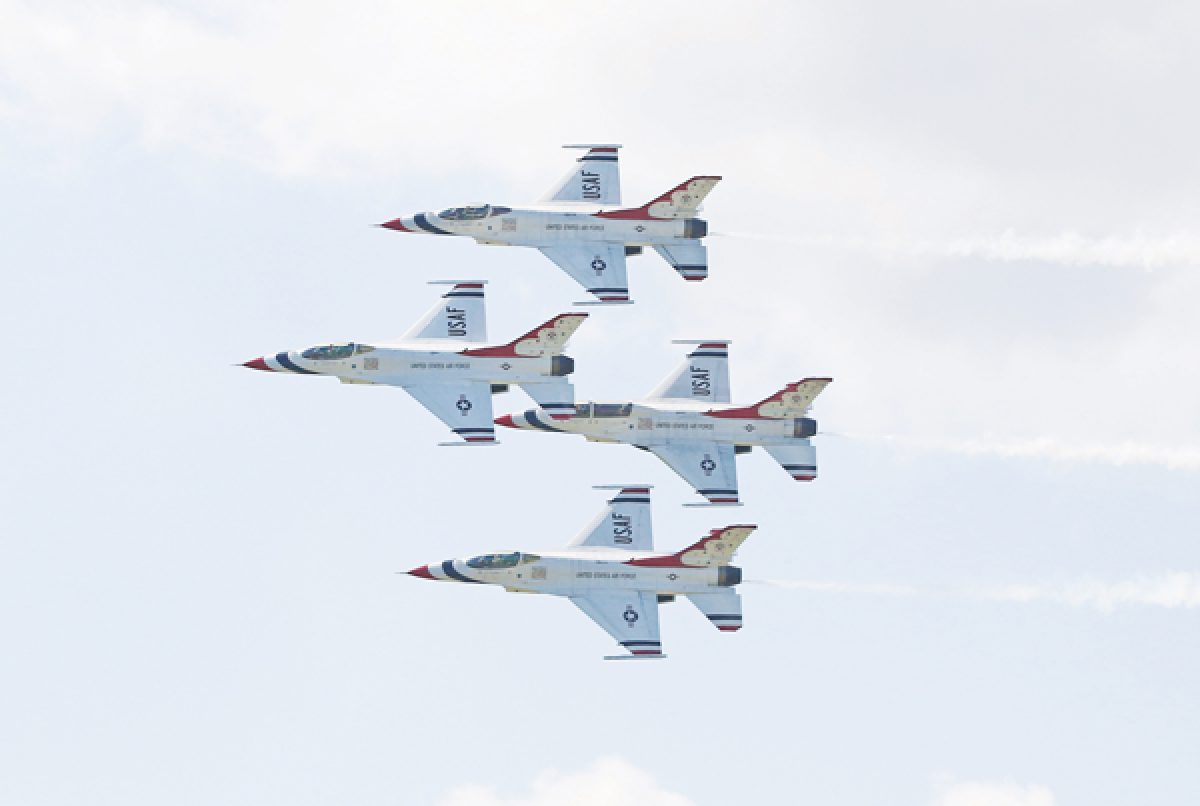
column 607, row 782
column 990, row 793
column 1173, row 589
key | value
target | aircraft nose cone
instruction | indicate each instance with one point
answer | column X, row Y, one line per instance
column 422, row 572
column 506, row 421
column 396, row 224
column 258, row 363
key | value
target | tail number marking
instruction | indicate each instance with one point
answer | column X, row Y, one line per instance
column 456, row 322
column 591, row 185
column 622, row 529
column 701, row 383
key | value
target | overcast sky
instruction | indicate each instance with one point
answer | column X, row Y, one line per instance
column 979, row 219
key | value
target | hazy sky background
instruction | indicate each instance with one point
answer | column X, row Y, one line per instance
column 979, row 219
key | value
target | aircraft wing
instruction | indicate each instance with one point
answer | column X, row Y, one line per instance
column 710, row 467
column 597, row 266
column 465, row 406
column 631, row 618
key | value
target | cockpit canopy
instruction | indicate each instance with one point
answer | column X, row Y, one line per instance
column 472, row 212
column 492, row 561
column 589, row 411
column 333, row 352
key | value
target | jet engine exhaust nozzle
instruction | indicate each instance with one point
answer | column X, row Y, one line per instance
column 561, row 365
column 728, row 576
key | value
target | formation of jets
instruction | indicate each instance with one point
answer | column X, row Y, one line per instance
column 611, row 570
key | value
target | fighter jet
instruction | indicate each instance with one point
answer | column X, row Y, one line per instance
column 581, row 226
column 612, row 573
column 444, row 362
column 689, row 423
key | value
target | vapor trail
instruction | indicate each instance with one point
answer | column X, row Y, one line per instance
column 1070, row 248
column 1172, row 457
column 1170, row 589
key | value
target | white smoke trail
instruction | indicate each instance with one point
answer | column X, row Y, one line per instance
column 1172, row 457
column 1069, row 248
column 1174, row 589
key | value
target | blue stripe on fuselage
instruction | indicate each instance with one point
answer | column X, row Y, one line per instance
column 424, row 224
column 531, row 418
column 448, row 570
column 283, row 359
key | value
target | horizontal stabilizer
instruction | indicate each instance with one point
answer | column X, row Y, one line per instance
column 688, row 257
column 800, row 461
column 723, row 608
column 549, row 338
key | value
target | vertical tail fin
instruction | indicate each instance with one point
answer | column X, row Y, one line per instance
column 624, row 523
column 703, row 376
column 597, row 180
column 461, row 315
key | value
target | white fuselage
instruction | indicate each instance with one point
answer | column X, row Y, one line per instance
column 531, row 226
column 579, row 572
column 419, row 363
column 654, row 424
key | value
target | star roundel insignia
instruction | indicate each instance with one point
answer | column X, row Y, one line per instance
column 599, row 265
column 463, row 404
column 749, row 426
column 708, row 465
column 630, row 615
column 506, row 365
column 672, row 577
